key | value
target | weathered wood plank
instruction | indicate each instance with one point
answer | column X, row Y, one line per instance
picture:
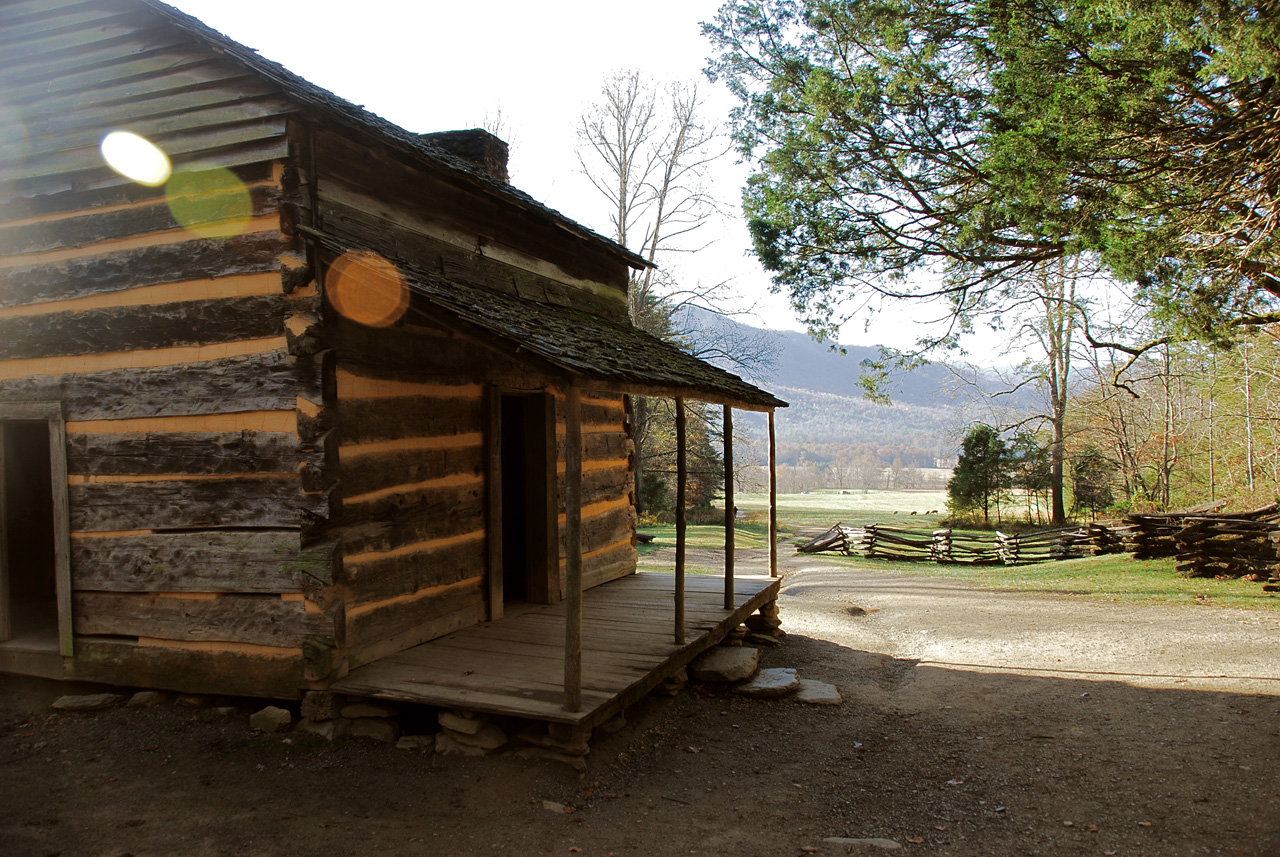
column 231, row 673
column 402, row 241
column 405, row 574
column 605, row 529
column 368, row 420
column 395, row 522
column 145, row 453
column 601, row 446
column 142, row 328
column 124, row 192
column 85, row 229
column 184, row 122
column 421, row 618
column 261, row 619
column 271, row 381
column 267, row 502
column 264, row 562
column 199, row 259
column 375, row 472
column 88, row 158
column 51, row 65
column 398, row 185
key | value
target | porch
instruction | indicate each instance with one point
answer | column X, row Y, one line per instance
column 516, row 665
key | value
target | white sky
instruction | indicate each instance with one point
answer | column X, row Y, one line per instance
column 435, row 66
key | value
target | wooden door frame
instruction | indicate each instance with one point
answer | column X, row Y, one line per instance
column 49, row 413
column 543, row 587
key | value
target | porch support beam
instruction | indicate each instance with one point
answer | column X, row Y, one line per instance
column 681, row 478
column 573, row 548
column 773, row 500
column 728, row 507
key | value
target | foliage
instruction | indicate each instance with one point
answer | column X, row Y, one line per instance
column 975, row 140
column 1092, row 475
column 980, row 475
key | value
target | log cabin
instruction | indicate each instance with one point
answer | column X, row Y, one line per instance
column 318, row 393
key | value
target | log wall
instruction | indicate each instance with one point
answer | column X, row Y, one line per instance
column 414, row 526
column 196, row 478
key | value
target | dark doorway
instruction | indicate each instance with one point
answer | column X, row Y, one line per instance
column 29, row 557
column 529, row 557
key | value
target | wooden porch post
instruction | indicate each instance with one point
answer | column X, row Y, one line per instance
column 773, row 499
column 573, row 548
column 681, row 478
column 728, row 508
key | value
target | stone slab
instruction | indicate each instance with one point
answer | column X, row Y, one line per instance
column 270, row 719
column 771, row 683
column 88, row 702
column 817, row 693
column 725, row 664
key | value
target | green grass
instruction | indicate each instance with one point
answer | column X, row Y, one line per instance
column 1117, row 577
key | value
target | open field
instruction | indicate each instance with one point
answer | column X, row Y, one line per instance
column 828, row 506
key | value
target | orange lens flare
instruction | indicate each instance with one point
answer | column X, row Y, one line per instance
column 366, row 288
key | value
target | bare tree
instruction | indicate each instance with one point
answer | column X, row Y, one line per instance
column 646, row 150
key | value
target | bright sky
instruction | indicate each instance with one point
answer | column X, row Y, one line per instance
column 433, row 66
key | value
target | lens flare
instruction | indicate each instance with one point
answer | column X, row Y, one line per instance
column 366, row 288
column 212, row 203
column 136, row 158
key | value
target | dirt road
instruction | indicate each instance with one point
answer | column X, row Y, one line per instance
column 975, row 723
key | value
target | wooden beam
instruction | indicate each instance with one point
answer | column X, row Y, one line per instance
column 773, row 499
column 573, row 552
column 682, row 475
column 493, row 499
column 61, row 528
column 6, row 602
column 728, row 507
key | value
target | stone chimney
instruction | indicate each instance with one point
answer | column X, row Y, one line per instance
column 477, row 146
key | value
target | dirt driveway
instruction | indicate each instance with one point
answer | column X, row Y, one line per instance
column 975, row 723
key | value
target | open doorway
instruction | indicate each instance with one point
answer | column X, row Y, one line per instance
column 528, row 528
column 34, row 572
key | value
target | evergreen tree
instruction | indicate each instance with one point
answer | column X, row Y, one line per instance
column 980, row 475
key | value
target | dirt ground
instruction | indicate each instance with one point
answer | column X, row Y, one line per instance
column 975, row 722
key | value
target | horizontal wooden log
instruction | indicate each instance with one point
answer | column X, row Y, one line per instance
column 368, row 420
column 145, row 453
column 184, row 670
column 198, row 259
column 85, row 229
column 417, row 620
column 608, row 565
column 401, row 186
column 395, row 522
column 79, row 199
column 400, row 240
column 405, row 574
column 266, row 502
column 605, row 529
column 375, row 472
column 271, row 381
column 86, row 161
column 419, row 354
column 603, row 485
column 601, row 446
column 140, row 328
column 264, row 562
column 259, row 619
column 52, row 18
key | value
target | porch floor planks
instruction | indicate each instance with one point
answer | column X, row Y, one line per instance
column 515, row 666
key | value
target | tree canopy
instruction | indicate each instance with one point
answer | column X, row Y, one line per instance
column 974, row 140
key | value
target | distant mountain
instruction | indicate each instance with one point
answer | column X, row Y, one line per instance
column 829, row 417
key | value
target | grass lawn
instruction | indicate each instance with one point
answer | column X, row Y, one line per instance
column 828, row 506
column 1116, row 577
